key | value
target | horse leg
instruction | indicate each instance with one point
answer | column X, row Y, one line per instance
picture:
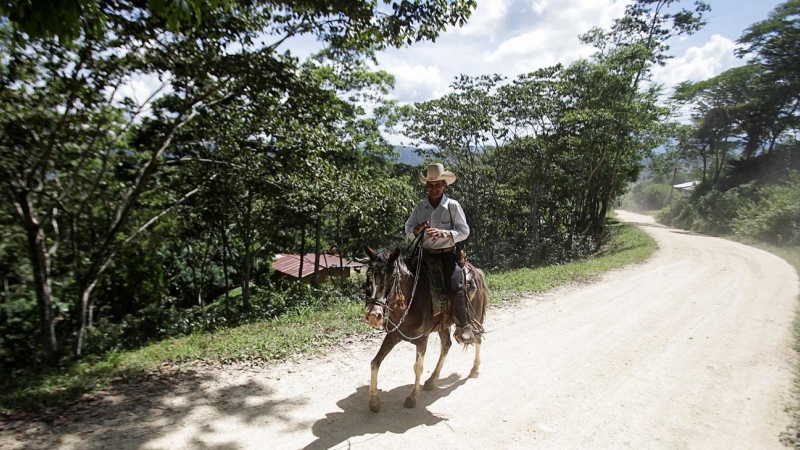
column 388, row 344
column 422, row 345
column 474, row 373
column 444, row 336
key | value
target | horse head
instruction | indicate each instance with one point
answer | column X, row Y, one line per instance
column 384, row 288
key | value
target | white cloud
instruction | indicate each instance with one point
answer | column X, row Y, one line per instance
column 554, row 37
column 141, row 87
column 417, row 82
column 699, row 63
column 486, row 18
column 540, row 6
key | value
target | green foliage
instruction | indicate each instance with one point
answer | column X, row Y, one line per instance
column 210, row 176
column 345, row 24
column 775, row 217
column 625, row 245
column 708, row 211
column 312, row 321
column 541, row 159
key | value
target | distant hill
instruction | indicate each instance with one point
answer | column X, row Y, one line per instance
column 408, row 155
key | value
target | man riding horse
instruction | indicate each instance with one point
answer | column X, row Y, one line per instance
column 444, row 224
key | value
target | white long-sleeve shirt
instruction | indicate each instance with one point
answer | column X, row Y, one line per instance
column 439, row 218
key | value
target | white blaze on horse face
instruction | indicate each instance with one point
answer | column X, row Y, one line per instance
column 375, row 306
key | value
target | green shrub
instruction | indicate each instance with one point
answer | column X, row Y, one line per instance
column 168, row 319
column 775, row 217
column 710, row 212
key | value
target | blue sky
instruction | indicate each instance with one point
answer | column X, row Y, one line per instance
column 510, row 37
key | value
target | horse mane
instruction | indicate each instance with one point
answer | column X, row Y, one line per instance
column 384, row 255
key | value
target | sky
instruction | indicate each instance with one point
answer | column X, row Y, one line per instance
column 511, row 37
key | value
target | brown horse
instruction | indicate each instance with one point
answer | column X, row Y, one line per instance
column 400, row 302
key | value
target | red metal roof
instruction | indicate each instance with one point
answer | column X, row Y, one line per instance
column 290, row 264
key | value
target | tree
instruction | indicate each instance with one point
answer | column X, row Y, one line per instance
column 78, row 157
column 343, row 23
column 636, row 42
column 774, row 45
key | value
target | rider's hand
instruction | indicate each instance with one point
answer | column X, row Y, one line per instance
column 418, row 229
column 436, row 233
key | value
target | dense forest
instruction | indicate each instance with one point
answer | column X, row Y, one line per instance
column 127, row 219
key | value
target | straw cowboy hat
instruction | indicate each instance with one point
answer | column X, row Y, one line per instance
column 436, row 172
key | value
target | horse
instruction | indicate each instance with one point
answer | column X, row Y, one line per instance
column 399, row 300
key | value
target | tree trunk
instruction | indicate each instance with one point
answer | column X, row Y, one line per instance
column 341, row 258
column 6, row 299
column 302, row 252
column 705, row 164
column 225, row 265
column 317, row 245
column 247, row 240
column 248, row 264
column 672, row 185
column 40, row 264
column 84, row 295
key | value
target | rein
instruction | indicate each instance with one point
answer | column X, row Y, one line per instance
column 395, row 283
column 394, row 289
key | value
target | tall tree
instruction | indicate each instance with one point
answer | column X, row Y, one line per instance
column 77, row 155
column 638, row 41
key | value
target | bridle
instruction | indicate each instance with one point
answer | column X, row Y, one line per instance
column 394, row 293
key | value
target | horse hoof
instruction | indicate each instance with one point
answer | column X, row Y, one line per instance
column 410, row 402
column 429, row 385
column 474, row 374
column 374, row 405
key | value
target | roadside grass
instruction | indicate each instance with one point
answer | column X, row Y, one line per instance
column 308, row 331
column 625, row 245
column 313, row 329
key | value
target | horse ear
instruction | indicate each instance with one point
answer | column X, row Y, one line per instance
column 370, row 252
column 395, row 254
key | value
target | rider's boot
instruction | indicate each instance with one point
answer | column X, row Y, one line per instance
column 459, row 301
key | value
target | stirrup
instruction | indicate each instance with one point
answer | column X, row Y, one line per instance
column 467, row 334
column 471, row 333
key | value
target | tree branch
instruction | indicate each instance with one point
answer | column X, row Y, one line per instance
column 152, row 221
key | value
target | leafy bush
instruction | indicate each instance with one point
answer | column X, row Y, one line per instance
column 775, row 217
column 707, row 211
column 19, row 332
column 168, row 319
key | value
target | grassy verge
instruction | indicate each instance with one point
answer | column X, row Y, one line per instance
column 625, row 245
column 308, row 331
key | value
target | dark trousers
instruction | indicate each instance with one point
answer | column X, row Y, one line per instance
column 453, row 284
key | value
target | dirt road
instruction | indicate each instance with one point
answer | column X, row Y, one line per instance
column 689, row 350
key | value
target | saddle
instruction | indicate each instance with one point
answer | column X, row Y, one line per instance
column 432, row 269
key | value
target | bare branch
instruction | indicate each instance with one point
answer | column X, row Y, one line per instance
column 152, row 221
column 212, row 161
column 130, row 197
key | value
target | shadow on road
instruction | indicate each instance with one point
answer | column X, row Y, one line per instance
column 690, row 233
column 651, row 225
column 137, row 415
column 356, row 420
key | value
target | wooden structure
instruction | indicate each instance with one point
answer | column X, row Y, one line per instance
column 287, row 267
